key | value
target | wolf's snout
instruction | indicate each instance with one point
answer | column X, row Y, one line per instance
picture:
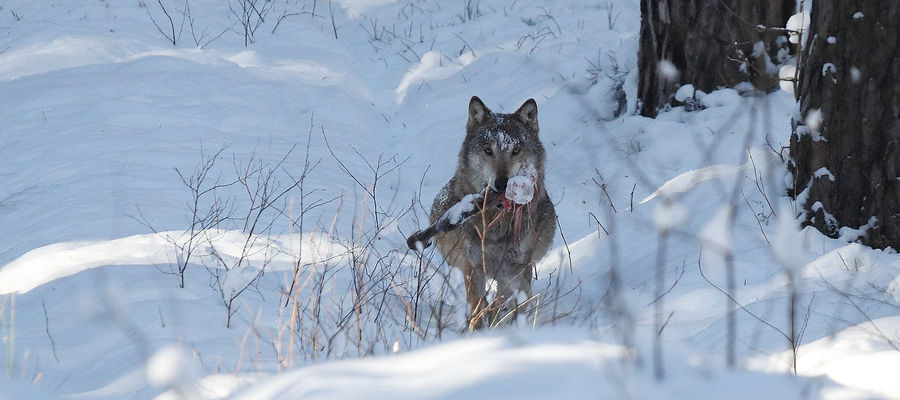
column 500, row 183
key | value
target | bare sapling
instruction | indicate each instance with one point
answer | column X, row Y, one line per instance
column 201, row 37
column 233, row 274
column 251, row 14
column 169, row 32
column 206, row 210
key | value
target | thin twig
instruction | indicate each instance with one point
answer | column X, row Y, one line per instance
column 466, row 43
column 47, row 330
column 171, row 38
column 741, row 306
column 333, row 26
column 661, row 295
column 865, row 315
column 599, row 223
column 410, row 315
column 757, row 177
column 758, row 222
column 563, row 235
column 631, row 200
column 602, row 187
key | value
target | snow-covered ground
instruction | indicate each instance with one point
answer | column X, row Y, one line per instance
column 321, row 144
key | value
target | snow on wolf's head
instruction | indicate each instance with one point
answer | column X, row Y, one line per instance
column 499, row 146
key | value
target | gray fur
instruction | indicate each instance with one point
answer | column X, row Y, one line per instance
column 512, row 140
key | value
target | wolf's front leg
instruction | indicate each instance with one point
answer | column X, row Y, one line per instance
column 475, row 294
column 513, row 288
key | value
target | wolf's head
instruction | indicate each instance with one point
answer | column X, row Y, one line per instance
column 498, row 146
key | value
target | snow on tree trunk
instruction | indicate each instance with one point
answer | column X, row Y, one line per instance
column 846, row 148
column 707, row 43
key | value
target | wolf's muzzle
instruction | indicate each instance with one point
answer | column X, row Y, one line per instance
column 500, row 183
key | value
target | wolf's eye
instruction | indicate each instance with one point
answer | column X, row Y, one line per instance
column 516, row 150
column 488, row 151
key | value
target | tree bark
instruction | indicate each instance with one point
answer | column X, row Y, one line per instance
column 845, row 152
column 711, row 43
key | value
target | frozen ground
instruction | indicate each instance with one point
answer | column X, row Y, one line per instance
column 333, row 130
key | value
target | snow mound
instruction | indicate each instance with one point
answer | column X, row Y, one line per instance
column 688, row 180
column 551, row 364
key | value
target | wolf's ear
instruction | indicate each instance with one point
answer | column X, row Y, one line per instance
column 477, row 112
column 528, row 114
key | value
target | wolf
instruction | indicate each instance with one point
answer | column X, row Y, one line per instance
column 508, row 238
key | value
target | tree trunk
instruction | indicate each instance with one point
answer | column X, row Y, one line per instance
column 846, row 151
column 710, row 43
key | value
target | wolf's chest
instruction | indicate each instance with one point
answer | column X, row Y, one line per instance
column 507, row 233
